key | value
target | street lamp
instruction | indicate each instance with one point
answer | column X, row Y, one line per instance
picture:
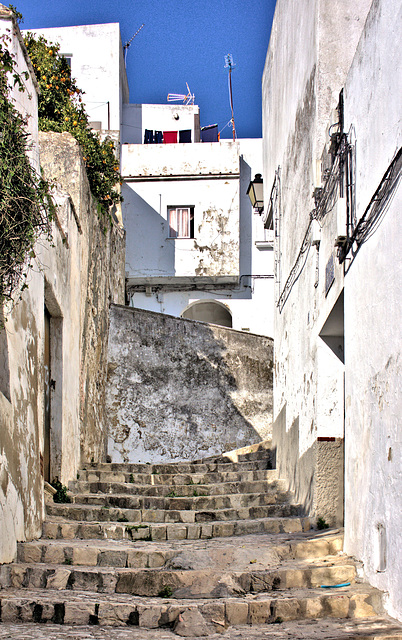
column 255, row 192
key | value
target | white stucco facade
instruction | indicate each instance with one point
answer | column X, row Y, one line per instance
column 158, row 117
column 373, row 305
column 338, row 295
column 97, row 64
column 230, row 257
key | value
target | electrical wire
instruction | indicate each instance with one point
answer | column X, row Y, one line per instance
column 376, row 209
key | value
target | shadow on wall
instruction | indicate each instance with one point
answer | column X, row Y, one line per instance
column 211, row 311
column 180, row 389
column 246, row 217
column 146, row 237
column 316, row 477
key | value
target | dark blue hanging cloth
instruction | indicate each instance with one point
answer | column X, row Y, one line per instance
column 158, row 137
column 148, row 137
column 185, row 135
column 210, row 133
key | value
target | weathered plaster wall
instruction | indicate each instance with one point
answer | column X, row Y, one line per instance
column 205, row 176
column 315, row 477
column 373, row 302
column 179, row 389
column 311, row 382
column 99, row 268
column 250, row 302
column 76, row 276
column 310, row 52
column 21, row 408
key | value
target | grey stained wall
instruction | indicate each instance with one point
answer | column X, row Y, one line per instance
column 75, row 275
column 180, row 389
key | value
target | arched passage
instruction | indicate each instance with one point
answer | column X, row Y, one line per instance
column 211, row 311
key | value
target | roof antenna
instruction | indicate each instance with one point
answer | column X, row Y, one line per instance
column 180, row 97
column 229, row 65
column 126, row 46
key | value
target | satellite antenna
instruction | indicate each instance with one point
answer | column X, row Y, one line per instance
column 126, row 46
column 180, row 97
column 229, row 65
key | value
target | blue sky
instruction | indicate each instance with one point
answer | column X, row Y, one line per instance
column 182, row 41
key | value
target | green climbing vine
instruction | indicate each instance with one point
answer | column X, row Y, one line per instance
column 61, row 109
column 25, row 204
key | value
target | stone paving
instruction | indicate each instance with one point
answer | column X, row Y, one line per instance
column 186, row 549
column 363, row 629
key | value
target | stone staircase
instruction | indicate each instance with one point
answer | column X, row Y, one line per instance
column 195, row 547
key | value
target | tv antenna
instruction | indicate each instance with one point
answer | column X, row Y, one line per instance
column 230, row 65
column 126, row 46
column 180, row 97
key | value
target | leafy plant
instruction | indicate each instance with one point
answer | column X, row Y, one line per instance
column 172, row 494
column 166, row 592
column 321, row 524
column 61, row 109
column 68, row 561
column 26, row 207
column 131, row 478
column 61, row 492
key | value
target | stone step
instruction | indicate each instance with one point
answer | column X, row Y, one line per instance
column 185, row 490
column 58, row 528
column 172, row 479
column 173, row 583
column 374, row 628
column 225, row 458
column 175, row 502
column 180, row 467
column 90, row 513
column 261, row 551
column 83, row 608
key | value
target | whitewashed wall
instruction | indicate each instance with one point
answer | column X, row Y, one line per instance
column 97, row 65
column 156, row 117
column 373, row 303
column 158, row 176
column 251, row 301
column 310, row 52
column 311, row 56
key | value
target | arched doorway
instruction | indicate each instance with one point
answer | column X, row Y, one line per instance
column 211, row 311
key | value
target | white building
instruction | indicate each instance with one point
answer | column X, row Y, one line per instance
column 338, row 300
column 221, row 268
column 95, row 55
column 194, row 247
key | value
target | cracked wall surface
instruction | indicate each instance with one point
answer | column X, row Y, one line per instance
column 76, row 275
column 180, row 389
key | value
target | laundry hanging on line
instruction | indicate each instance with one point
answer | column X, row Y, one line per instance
column 166, row 137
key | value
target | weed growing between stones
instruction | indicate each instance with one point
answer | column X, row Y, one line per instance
column 321, row 524
column 61, row 492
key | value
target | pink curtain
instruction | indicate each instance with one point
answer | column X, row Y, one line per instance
column 179, row 223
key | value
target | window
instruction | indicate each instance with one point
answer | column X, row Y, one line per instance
column 181, row 222
column 67, row 57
